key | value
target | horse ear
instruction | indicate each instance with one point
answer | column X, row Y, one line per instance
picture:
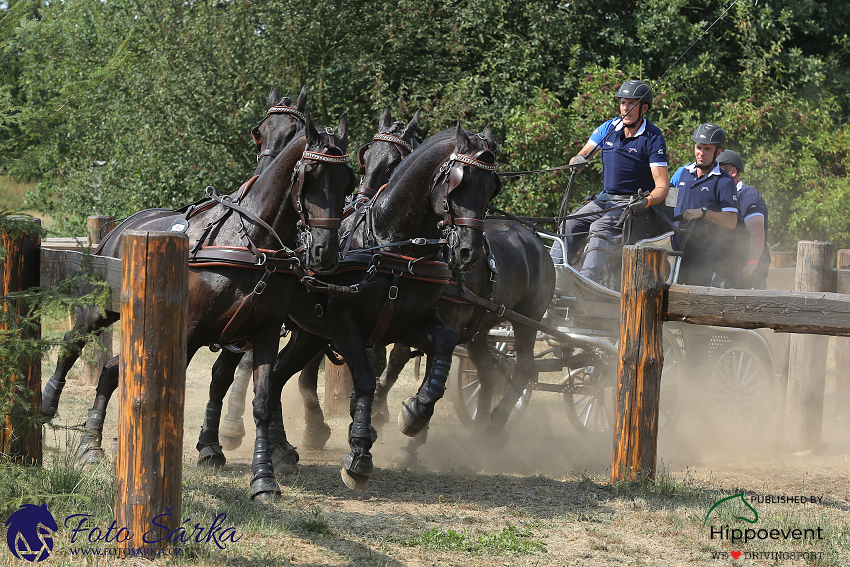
column 385, row 122
column 462, row 143
column 302, row 99
column 273, row 97
column 311, row 133
column 488, row 135
column 411, row 127
column 342, row 130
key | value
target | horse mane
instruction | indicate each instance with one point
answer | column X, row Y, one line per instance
column 413, row 161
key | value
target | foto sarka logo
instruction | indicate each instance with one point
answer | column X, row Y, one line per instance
column 30, row 532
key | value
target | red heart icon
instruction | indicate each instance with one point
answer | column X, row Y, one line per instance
column 735, row 554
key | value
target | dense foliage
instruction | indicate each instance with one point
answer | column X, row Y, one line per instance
column 193, row 77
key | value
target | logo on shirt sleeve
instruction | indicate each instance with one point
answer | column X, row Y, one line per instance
column 632, row 150
column 609, row 143
column 660, row 151
column 704, row 189
column 681, row 182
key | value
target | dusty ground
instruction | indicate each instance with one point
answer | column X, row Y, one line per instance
column 549, row 483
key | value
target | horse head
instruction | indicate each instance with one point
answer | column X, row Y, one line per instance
column 378, row 159
column 467, row 183
column 321, row 181
column 280, row 124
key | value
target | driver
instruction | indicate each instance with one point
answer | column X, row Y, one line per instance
column 634, row 161
column 709, row 199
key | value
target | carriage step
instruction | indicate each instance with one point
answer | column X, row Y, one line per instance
column 544, row 387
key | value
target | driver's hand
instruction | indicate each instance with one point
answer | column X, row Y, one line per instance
column 692, row 214
column 580, row 161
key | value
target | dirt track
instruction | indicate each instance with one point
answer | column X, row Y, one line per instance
column 548, row 482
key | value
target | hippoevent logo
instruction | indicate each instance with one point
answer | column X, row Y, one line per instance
column 30, row 535
column 744, row 534
column 30, row 532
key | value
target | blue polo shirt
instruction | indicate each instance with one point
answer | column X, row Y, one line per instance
column 751, row 204
column 626, row 162
column 715, row 191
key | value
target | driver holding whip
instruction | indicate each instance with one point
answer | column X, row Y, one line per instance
column 634, row 168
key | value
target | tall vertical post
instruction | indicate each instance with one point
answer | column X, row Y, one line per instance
column 641, row 361
column 807, row 360
column 154, row 313
column 338, row 387
column 92, row 365
column 842, row 349
column 20, row 430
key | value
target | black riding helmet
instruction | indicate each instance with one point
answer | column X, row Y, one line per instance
column 709, row 134
column 728, row 156
column 635, row 89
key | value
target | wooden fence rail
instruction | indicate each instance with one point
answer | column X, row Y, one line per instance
column 809, row 312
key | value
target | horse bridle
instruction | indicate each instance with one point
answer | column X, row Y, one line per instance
column 309, row 158
column 451, row 173
column 364, row 192
column 255, row 131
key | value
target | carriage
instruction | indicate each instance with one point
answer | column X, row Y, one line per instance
column 734, row 392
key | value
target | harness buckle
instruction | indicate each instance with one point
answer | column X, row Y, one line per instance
column 501, row 311
column 418, row 241
column 260, row 287
column 393, row 292
column 329, row 131
column 263, row 261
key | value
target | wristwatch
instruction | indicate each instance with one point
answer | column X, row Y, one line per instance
column 704, row 211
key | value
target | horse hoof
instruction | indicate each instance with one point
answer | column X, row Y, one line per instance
column 406, row 459
column 495, row 438
column 285, row 459
column 265, row 489
column 315, row 437
column 211, row 457
column 230, row 433
column 354, row 481
column 90, row 456
column 229, row 443
column 411, row 419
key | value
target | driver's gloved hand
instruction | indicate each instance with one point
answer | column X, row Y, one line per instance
column 639, row 205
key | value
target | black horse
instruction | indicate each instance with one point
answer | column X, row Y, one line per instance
column 391, row 297
column 378, row 159
column 280, row 124
column 242, row 260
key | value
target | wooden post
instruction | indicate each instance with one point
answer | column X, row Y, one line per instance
column 95, row 227
column 338, row 387
column 20, row 430
column 102, row 351
column 807, row 361
column 842, row 351
column 154, row 314
column 641, row 360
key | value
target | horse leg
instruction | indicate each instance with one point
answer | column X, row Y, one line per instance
column 264, row 487
column 90, row 452
column 408, row 456
column 440, row 339
column 210, row 453
column 302, row 350
column 232, row 427
column 524, row 372
column 399, row 356
column 487, row 369
column 316, row 432
column 87, row 319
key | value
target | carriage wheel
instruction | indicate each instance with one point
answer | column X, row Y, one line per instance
column 590, row 401
column 741, row 392
column 466, row 387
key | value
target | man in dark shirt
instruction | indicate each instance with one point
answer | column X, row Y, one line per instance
column 634, row 161
column 708, row 199
column 752, row 211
